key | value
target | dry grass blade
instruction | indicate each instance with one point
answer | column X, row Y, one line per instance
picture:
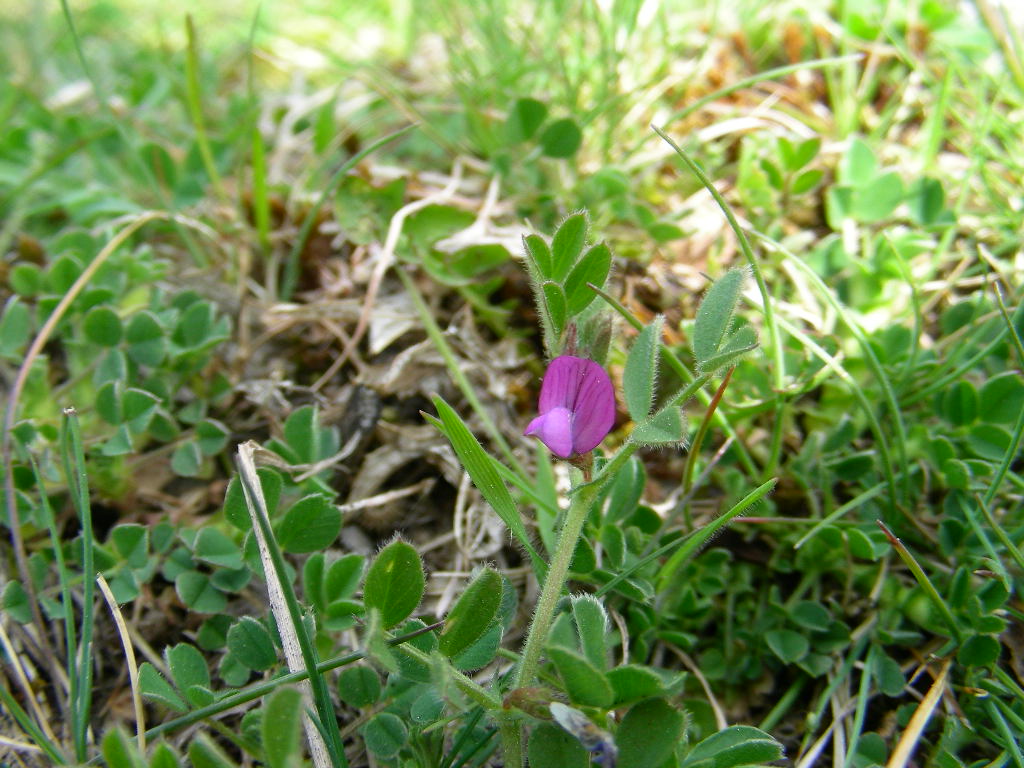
column 129, row 653
column 289, row 638
column 19, row 746
column 908, row 741
column 721, row 721
column 24, row 684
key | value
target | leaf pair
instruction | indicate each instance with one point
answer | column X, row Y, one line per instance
column 561, row 274
column 559, row 139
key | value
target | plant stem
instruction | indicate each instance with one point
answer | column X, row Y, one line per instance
column 544, row 613
column 558, row 570
column 511, row 742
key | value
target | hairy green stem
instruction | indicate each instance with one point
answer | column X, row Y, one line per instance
column 544, row 613
column 511, row 742
column 558, row 570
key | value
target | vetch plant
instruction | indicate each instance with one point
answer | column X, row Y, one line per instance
column 577, row 409
column 561, row 689
column 179, row 264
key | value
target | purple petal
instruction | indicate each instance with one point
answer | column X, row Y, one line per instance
column 562, row 382
column 554, row 430
column 593, row 413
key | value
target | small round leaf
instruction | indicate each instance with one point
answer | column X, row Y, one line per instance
column 250, row 643
column 395, row 583
column 311, row 524
column 472, row 614
column 978, row 651
column 102, row 326
column 359, row 686
column 561, row 138
column 385, row 734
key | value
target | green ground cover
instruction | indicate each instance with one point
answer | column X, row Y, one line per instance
column 278, row 289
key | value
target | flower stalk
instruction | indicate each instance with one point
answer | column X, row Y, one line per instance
column 558, row 572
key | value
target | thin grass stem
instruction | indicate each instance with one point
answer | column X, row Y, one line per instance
column 78, row 485
column 774, row 337
column 925, row 583
column 889, row 395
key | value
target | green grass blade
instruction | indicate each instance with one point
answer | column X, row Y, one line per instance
column 1003, row 537
column 957, row 373
column 21, row 717
column 852, row 504
column 78, row 483
column 696, row 540
column 1012, row 740
column 64, row 577
column 889, row 395
column 860, row 710
column 979, row 531
column 194, row 99
column 485, row 476
column 260, row 198
column 922, row 579
column 888, row 468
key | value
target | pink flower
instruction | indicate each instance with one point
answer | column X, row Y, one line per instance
column 577, row 406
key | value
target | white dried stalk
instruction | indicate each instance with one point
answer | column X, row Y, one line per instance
column 20, row 675
column 289, row 639
column 129, row 654
column 912, row 735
